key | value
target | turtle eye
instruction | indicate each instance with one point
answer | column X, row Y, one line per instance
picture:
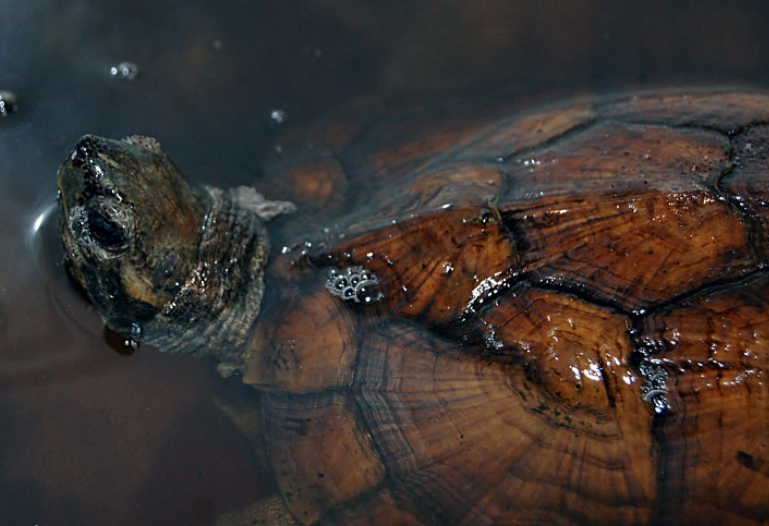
column 105, row 226
column 104, row 230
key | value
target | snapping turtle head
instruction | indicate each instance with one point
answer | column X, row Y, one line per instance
column 129, row 226
column 164, row 261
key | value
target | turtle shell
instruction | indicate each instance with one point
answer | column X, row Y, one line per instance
column 558, row 317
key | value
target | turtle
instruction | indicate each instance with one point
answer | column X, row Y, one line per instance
column 548, row 316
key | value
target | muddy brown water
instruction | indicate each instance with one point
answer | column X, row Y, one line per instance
column 92, row 436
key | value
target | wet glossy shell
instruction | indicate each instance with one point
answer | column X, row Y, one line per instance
column 573, row 322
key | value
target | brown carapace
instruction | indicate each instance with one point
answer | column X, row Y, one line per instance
column 553, row 317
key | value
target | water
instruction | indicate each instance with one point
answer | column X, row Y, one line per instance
column 91, row 436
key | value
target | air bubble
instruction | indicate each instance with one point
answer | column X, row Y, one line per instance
column 658, row 402
column 124, row 71
column 7, row 103
column 278, row 116
column 137, row 332
column 340, row 283
column 134, row 339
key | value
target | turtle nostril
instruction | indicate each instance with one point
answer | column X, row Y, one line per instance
column 84, row 150
column 88, row 147
column 87, row 142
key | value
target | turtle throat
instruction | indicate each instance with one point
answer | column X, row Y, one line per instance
column 216, row 306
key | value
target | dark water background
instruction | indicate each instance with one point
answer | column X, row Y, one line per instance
column 89, row 436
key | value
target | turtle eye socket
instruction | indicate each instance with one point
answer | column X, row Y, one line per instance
column 105, row 230
column 105, row 226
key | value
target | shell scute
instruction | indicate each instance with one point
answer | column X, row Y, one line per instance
column 633, row 251
column 527, row 132
column 612, row 158
column 322, row 427
column 434, row 267
column 305, row 343
column 746, row 186
column 726, row 111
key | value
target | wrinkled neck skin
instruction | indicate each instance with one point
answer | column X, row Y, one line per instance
column 216, row 307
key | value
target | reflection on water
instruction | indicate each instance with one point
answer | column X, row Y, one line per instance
column 90, row 436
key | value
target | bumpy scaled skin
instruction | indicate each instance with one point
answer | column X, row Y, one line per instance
column 559, row 317
column 167, row 263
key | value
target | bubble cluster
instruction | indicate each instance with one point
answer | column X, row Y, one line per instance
column 655, row 389
column 354, row 284
column 124, row 71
